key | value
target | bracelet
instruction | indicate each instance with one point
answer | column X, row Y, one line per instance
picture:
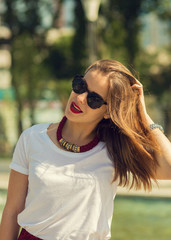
column 154, row 126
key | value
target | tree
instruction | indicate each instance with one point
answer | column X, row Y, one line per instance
column 161, row 87
column 57, row 17
column 161, row 82
column 60, row 59
column 24, row 17
column 121, row 26
column 29, row 73
column 4, row 145
column 79, row 46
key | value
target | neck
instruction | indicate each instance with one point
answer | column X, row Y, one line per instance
column 78, row 133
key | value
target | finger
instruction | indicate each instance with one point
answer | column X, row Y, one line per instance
column 137, row 86
column 138, row 82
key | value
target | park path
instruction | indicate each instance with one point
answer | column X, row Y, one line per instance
column 163, row 190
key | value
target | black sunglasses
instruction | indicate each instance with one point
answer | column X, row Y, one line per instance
column 79, row 86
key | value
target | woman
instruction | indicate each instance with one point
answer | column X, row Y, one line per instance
column 64, row 176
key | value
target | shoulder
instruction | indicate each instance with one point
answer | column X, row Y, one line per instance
column 37, row 128
column 33, row 135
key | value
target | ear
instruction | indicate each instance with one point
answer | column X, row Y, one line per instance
column 106, row 115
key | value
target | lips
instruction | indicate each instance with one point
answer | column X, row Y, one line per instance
column 75, row 109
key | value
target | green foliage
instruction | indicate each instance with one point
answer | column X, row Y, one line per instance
column 161, row 87
column 150, row 5
column 24, row 21
column 121, row 27
column 67, row 56
column 79, row 43
column 63, row 89
column 59, row 59
column 160, row 82
column 112, row 33
column 164, row 13
column 28, row 71
column 118, row 29
column 4, row 145
column 144, row 63
column 155, row 74
column 164, row 10
column 25, row 16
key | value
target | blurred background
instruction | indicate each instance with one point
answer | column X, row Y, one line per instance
column 43, row 44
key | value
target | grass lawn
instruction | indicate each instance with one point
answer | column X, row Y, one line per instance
column 138, row 218
column 135, row 218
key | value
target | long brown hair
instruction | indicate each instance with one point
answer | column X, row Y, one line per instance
column 127, row 135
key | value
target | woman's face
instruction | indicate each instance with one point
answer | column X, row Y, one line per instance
column 97, row 83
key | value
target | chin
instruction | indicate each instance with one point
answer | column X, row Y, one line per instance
column 70, row 116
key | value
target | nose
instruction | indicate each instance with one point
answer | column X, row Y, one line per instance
column 82, row 98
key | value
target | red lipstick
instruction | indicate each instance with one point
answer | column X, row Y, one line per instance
column 75, row 108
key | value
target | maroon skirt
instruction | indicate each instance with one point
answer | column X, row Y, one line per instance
column 24, row 235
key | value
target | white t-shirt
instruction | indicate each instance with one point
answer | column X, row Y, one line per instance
column 70, row 195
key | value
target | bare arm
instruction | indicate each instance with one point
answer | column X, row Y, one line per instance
column 163, row 171
column 17, row 191
column 164, row 158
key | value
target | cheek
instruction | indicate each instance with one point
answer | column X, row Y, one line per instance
column 68, row 102
column 99, row 113
column 72, row 95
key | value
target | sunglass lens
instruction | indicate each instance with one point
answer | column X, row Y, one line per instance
column 94, row 101
column 78, row 85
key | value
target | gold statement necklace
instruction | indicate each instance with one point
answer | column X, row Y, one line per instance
column 70, row 146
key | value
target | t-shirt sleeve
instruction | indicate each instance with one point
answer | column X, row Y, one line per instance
column 20, row 159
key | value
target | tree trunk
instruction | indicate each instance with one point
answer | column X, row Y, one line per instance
column 19, row 118
column 17, row 98
column 58, row 20
column 32, row 109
